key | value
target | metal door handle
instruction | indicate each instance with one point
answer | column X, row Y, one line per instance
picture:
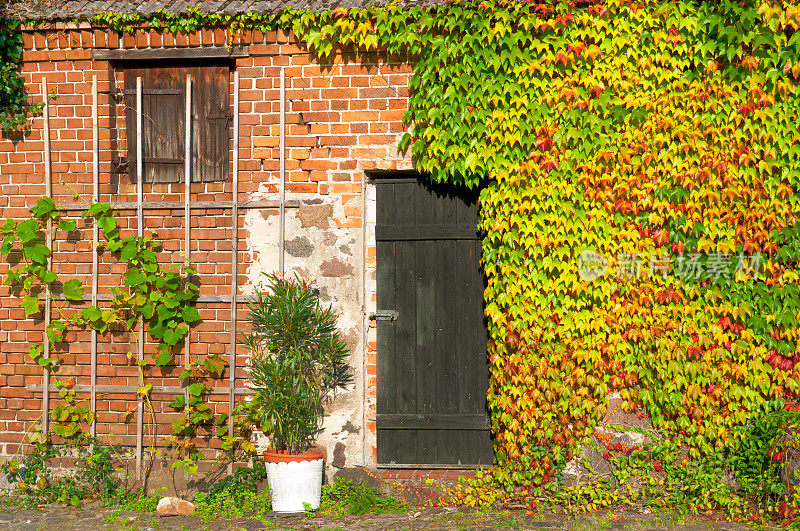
column 385, row 315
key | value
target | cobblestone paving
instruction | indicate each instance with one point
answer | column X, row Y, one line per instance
column 59, row 518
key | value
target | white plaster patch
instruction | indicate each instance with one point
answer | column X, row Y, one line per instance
column 334, row 263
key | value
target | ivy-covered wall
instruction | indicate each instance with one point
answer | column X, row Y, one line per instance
column 658, row 140
column 640, row 202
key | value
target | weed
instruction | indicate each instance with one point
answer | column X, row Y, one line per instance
column 236, row 496
column 511, row 521
column 232, row 504
column 95, row 475
column 245, row 478
column 142, row 502
column 113, row 517
column 345, row 497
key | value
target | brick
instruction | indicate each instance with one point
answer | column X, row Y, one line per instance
column 113, row 39
column 100, row 40
column 299, row 153
column 35, row 56
column 350, row 223
column 39, row 40
column 318, row 164
column 301, row 188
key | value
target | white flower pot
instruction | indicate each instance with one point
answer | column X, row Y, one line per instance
column 295, row 480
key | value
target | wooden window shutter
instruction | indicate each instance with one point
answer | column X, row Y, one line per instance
column 211, row 114
column 163, row 121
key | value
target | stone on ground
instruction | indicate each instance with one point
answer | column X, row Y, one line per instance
column 171, row 506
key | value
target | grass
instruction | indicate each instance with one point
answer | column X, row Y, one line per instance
column 667, row 521
column 144, row 503
column 345, row 497
column 232, row 504
column 112, row 518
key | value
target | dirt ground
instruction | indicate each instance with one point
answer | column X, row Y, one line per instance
column 60, row 518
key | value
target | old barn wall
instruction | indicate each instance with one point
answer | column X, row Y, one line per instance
column 343, row 119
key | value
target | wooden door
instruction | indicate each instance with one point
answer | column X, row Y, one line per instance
column 432, row 368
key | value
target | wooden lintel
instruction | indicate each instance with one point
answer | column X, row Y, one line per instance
column 216, row 52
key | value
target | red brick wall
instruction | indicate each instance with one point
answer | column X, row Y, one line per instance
column 343, row 119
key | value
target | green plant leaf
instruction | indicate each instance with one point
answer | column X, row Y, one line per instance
column 30, row 304
column 48, row 276
column 26, row 231
column 66, row 225
column 43, row 207
column 73, row 289
column 8, row 244
column 190, row 314
column 215, row 365
column 178, row 403
column 164, row 357
column 107, row 223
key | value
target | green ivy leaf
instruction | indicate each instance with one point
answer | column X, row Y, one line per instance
column 172, row 336
column 8, row 244
column 91, row 313
column 107, row 223
column 48, row 276
column 97, row 208
column 36, row 252
column 128, row 251
column 178, row 403
column 134, row 278
column 215, row 365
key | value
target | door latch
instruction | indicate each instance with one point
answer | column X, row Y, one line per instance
column 385, row 315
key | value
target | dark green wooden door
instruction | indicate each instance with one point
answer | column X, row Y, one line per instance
column 432, row 369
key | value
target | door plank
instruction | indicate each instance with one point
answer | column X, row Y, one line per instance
column 427, row 360
column 385, row 278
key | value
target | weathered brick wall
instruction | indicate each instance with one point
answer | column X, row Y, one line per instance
column 343, row 120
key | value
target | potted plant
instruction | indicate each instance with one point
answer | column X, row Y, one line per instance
column 297, row 359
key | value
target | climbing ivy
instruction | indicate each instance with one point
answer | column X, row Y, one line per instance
column 659, row 140
column 639, row 166
column 14, row 107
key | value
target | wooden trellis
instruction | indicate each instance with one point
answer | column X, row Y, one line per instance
column 187, row 205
